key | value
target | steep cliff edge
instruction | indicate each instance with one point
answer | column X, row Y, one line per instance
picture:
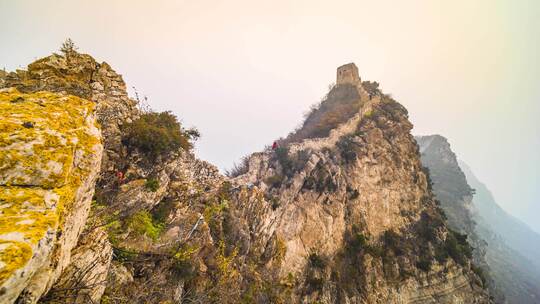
column 511, row 276
column 50, row 153
column 340, row 212
column 353, row 209
column 455, row 196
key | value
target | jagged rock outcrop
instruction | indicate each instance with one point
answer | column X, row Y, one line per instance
column 449, row 183
column 455, row 196
column 341, row 213
column 81, row 75
column 341, row 199
column 50, row 153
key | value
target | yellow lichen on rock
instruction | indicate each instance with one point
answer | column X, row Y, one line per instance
column 49, row 144
column 38, row 134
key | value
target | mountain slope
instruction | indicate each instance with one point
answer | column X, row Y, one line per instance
column 340, row 212
column 511, row 276
column 513, row 247
column 358, row 200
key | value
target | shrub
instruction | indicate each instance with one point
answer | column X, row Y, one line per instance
column 358, row 241
column 428, row 177
column 424, row 264
column 320, row 180
column 429, row 225
column 152, row 184
column 314, row 283
column 457, row 247
column 161, row 212
column 239, row 168
column 182, row 261
column 375, row 250
column 300, row 160
column 317, row 261
column 372, row 87
column 214, row 209
column 480, row 273
column 353, row 193
column 392, row 241
column 275, row 203
column 274, row 181
column 155, row 134
column 123, row 255
column 68, row 47
column 341, row 103
column 282, row 156
column 347, row 148
column 143, row 224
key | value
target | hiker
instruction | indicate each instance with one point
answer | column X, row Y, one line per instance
column 120, row 176
column 274, row 145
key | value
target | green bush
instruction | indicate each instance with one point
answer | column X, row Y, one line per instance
column 152, row 184
column 143, row 224
column 155, row 134
column 182, row 258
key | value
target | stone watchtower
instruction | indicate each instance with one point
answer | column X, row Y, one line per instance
column 347, row 73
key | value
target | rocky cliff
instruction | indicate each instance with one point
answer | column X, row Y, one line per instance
column 50, row 152
column 511, row 276
column 340, row 212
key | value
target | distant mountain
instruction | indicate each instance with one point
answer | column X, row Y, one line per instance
column 504, row 247
column 513, row 249
column 516, row 233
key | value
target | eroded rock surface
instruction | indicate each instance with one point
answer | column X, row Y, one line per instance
column 50, row 153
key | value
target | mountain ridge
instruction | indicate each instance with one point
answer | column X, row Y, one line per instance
column 348, row 217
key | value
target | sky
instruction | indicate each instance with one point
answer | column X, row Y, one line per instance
column 245, row 72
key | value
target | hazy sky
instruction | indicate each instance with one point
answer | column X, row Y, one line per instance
column 244, row 72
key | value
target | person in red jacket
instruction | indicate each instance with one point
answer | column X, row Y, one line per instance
column 274, row 145
column 120, row 176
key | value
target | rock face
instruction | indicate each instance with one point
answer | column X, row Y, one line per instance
column 81, row 75
column 449, row 182
column 341, row 212
column 347, row 199
column 511, row 276
column 83, row 280
column 455, row 196
column 50, row 152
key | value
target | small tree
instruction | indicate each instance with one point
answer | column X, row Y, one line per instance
column 68, row 48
